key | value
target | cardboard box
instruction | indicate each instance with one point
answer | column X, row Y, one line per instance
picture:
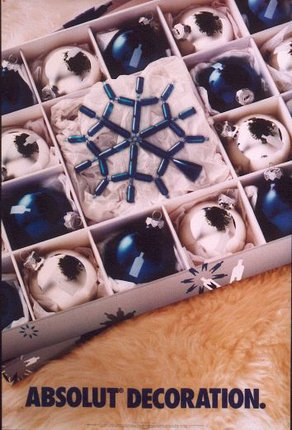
column 40, row 338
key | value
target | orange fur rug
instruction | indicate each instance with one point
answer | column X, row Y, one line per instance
column 237, row 336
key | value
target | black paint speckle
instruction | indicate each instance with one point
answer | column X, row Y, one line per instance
column 208, row 23
column 24, row 148
column 260, row 127
column 70, row 266
column 217, row 217
column 79, row 64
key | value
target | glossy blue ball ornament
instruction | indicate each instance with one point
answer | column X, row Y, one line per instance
column 140, row 254
column 274, row 207
column 10, row 304
column 132, row 48
column 262, row 14
column 36, row 216
column 230, row 83
column 16, row 93
column 269, row 12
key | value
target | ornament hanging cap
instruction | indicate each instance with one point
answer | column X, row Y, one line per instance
column 144, row 20
column 49, row 93
column 155, row 220
column 3, row 173
column 34, row 262
column 11, row 63
column 72, row 221
column 148, row 20
column 226, row 129
column 244, row 96
column 273, row 173
column 226, row 202
column 181, row 31
column 12, row 59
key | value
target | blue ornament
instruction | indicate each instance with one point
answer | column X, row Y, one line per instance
column 36, row 216
column 11, row 306
column 133, row 47
column 262, row 14
column 140, row 254
column 269, row 12
column 16, row 93
column 274, row 205
column 230, row 83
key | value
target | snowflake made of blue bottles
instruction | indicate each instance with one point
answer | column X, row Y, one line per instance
column 204, row 278
column 135, row 138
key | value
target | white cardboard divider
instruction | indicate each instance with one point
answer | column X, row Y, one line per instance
column 22, row 286
column 204, row 56
column 238, row 17
column 287, row 95
column 31, row 177
column 19, row 117
column 42, row 46
column 274, row 107
column 180, row 249
column 102, row 270
column 9, row 187
column 199, row 194
column 168, row 34
column 98, row 54
column 7, row 264
column 32, row 82
column 21, row 114
column 222, row 150
column 71, row 240
column 61, row 158
column 119, row 18
column 264, row 70
column 6, row 247
column 261, row 37
column 253, row 223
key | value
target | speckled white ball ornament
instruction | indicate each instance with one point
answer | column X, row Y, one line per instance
column 202, row 28
column 23, row 152
column 256, row 142
column 68, row 69
column 63, row 279
column 281, row 57
column 210, row 230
